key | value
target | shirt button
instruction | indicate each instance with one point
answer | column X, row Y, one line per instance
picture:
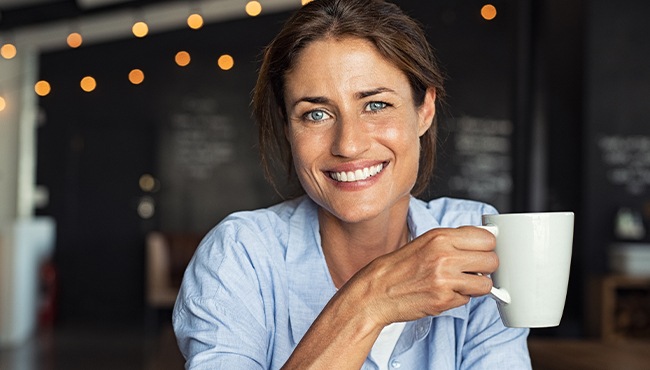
column 395, row 364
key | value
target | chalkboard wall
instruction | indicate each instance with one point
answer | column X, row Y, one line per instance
column 617, row 117
column 187, row 130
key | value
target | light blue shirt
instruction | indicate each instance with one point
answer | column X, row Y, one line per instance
column 259, row 279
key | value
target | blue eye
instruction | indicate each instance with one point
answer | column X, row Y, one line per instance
column 316, row 115
column 376, row 106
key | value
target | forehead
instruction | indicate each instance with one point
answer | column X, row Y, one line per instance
column 347, row 62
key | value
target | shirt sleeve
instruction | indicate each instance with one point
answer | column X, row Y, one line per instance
column 218, row 318
column 491, row 345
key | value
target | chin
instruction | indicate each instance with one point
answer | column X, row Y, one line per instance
column 356, row 212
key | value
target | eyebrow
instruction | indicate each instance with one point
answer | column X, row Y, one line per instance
column 357, row 95
column 379, row 90
column 312, row 99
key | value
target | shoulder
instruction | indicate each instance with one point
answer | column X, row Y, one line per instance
column 451, row 212
column 251, row 232
column 263, row 223
column 244, row 244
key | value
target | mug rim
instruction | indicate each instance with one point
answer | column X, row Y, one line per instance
column 529, row 214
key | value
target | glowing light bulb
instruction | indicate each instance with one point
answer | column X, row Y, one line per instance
column 195, row 21
column 182, row 58
column 74, row 40
column 140, row 29
column 8, row 51
column 226, row 62
column 42, row 88
column 136, row 76
column 488, row 12
column 253, row 8
column 88, row 84
column 3, row 104
column 147, row 183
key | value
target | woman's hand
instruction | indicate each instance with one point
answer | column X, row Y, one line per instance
column 434, row 273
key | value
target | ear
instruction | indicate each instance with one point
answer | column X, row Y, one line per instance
column 427, row 111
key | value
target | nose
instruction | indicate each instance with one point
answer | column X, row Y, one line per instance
column 350, row 138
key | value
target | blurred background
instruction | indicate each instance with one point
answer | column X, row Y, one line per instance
column 126, row 134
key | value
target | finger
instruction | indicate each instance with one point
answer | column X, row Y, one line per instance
column 473, row 262
column 474, row 238
column 474, row 285
column 461, row 238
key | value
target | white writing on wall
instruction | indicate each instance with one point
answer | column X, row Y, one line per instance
column 627, row 161
column 483, row 158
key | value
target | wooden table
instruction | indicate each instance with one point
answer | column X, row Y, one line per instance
column 556, row 354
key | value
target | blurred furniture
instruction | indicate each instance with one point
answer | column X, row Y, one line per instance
column 167, row 256
column 629, row 258
column 562, row 354
column 24, row 246
column 624, row 307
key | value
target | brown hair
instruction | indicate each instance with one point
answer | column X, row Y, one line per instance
column 398, row 37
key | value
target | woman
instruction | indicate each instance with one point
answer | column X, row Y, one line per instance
column 357, row 272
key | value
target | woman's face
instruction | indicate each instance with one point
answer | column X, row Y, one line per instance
column 353, row 128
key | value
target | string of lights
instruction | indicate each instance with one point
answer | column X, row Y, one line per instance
column 140, row 28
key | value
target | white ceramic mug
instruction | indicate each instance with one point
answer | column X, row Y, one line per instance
column 534, row 251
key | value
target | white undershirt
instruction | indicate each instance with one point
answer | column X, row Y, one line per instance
column 385, row 343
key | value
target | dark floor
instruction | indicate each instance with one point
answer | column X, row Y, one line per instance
column 126, row 347
column 96, row 347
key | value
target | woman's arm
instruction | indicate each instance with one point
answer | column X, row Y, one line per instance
column 342, row 335
column 423, row 278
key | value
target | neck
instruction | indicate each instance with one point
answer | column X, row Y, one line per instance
column 348, row 247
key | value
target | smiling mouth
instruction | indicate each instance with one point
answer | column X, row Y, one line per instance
column 357, row 175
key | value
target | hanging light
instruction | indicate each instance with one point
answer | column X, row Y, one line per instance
column 488, row 12
column 136, row 76
column 74, row 40
column 140, row 29
column 195, row 21
column 42, row 88
column 8, row 50
column 88, row 84
column 182, row 58
column 226, row 62
column 3, row 103
column 253, row 8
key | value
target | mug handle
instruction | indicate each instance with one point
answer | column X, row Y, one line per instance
column 499, row 294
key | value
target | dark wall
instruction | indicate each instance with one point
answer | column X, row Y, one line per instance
column 188, row 127
column 478, row 123
column 558, row 34
column 617, row 123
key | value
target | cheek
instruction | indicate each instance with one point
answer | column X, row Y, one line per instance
column 404, row 139
column 303, row 149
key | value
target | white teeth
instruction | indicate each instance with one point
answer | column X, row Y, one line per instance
column 357, row 175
